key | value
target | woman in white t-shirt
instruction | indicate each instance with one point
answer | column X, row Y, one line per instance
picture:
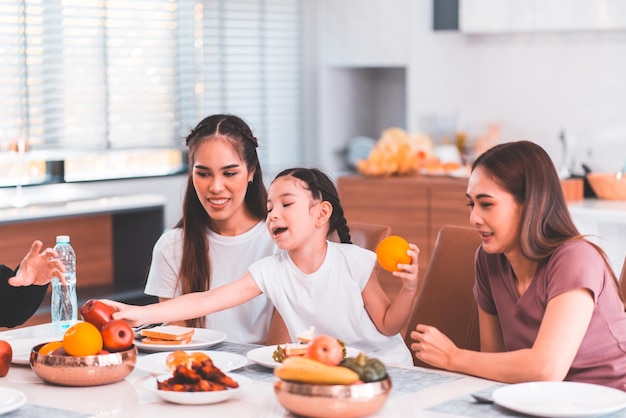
column 222, row 230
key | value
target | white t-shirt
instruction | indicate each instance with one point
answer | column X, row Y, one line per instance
column 329, row 299
column 230, row 257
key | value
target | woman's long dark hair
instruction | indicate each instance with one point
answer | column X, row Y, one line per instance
column 322, row 188
column 525, row 170
column 194, row 275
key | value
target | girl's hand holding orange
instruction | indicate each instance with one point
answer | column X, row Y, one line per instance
column 397, row 255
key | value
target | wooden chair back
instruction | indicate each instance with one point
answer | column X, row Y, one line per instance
column 367, row 235
column 446, row 299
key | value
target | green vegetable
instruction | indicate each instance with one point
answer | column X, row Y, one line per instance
column 279, row 354
column 368, row 369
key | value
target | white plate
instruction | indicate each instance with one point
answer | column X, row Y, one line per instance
column 11, row 399
column 22, row 348
column 155, row 363
column 196, row 398
column 202, row 338
column 263, row 355
column 560, row 399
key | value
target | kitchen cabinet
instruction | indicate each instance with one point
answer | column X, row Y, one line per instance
column 505, row 16
column 415, row 207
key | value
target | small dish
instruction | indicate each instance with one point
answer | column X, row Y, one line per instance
column 263, row 355
column 155, row 363
column 196, row 398
column 560, row 399
column 11, row 399
column 202, row 338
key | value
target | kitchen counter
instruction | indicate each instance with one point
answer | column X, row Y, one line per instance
column 605, row 223
column 55, row 209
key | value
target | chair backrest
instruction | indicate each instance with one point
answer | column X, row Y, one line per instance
column 367, row 235
column 446, row 299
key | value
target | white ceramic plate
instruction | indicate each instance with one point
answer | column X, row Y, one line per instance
column 263, row 355
column 196, row 398
column 155, row 363
column 202, row 338
column 10, row 400
column 22, row 348
column 560, row 399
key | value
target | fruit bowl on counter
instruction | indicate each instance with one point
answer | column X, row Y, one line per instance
column 95, row 370
column 609, row 186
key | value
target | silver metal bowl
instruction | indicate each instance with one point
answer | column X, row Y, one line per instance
column 95, row 370
column 333, row 401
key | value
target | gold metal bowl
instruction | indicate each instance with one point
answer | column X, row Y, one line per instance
column 333, row 401
column 95, row 370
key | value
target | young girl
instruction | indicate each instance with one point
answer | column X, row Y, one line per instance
column 311, row 281
column 549, row 306
column 223, row 218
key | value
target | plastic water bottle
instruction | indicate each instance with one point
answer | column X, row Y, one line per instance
column 64, row 304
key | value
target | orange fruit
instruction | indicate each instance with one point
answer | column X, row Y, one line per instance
column 175, row 358
column 82, row 339
column 391, row 251
column 197, row 357
column 50, row 347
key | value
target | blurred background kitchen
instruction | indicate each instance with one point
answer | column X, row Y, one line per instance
column 97, row 96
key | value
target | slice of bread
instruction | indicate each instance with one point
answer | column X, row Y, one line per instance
column 167, row 334
column 305, row 337
column 295, row 349
column 149, row 340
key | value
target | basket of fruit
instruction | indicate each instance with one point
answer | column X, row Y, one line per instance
column 96, row 351
column 320, row 384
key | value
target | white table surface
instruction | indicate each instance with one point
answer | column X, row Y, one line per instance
column 128, row 399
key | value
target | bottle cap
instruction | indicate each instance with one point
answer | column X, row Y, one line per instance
column 63, row 238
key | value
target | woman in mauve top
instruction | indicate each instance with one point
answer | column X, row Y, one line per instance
column 549, row 303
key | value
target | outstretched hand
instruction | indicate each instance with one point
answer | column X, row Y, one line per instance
column 130, row 313
column 408, row 272
column 433, row 347
column 38, row 268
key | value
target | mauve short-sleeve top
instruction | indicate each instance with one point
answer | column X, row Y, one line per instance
column 601, row 358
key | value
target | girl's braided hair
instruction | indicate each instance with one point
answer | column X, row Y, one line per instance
column 322, row 187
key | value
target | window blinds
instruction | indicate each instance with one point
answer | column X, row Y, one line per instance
column 125, row 74
column 251, row 66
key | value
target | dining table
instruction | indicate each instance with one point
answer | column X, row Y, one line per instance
column 416, row 392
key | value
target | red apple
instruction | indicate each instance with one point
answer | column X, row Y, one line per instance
column 96, row 312
column 117, row 335
column 325, row 349
column 6, row 355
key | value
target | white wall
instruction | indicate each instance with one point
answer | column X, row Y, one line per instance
column 533, row 84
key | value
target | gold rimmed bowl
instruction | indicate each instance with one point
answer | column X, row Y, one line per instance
column 333, row 401
column 100, row 369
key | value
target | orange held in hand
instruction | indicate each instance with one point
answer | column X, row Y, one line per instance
column 391, row 251
column 82, row 339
